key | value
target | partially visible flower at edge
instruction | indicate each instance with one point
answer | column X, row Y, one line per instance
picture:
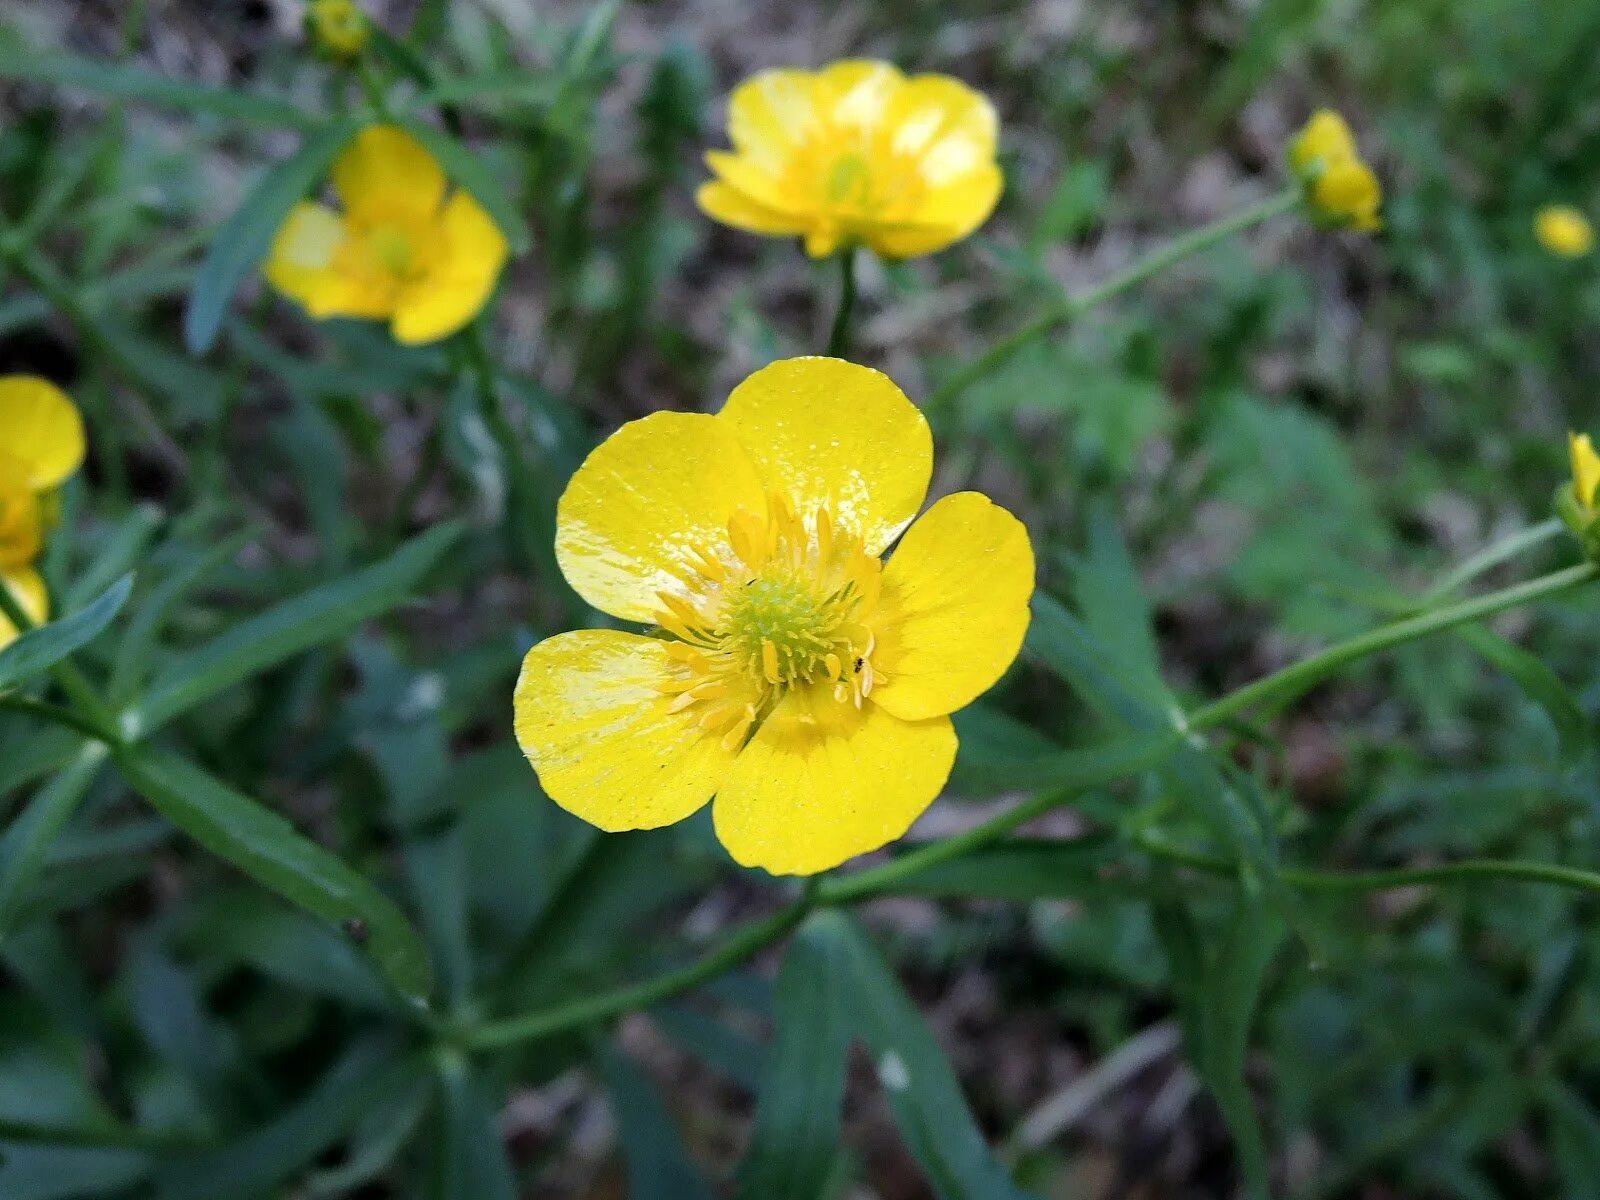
column 1578, row 502
column 402, row 251
column 798, row 678
column 1563, row 231
column 1341, row 188
column 338, row 28
column 41, row 447
column 856, row 154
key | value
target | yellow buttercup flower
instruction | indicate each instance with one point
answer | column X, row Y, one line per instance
column 1564, row 231
column 337, row 27
column 800, row 679
column 1342, row 190
column 856, row 154
column 402, row 251
column 41, row 446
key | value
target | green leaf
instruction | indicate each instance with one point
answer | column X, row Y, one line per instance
column 796, row 1138
column 135, row 84
column 1112, row 602
column 379, row 1138
column 257, row 1164
column 269, row 850
column 245, row 236
column 1218, row 991
column 1540, row 684
column 473, row 1154
column 917, row 1078
column 26, row 845
column 468, row 170
column 138, row 645
column 42, row 648
column 120, row 553
column 322, row 615
column 659, row 1167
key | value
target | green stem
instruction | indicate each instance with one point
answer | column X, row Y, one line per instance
column 92, row 1136
column 1490, row 557
column 1284, row 685
column 1313, row 879
column 839, row 336
column 747, row 942
column 1073, row 307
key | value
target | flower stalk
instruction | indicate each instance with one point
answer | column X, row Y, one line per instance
column 1071, row 308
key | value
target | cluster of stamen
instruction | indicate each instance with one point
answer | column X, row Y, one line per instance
column 788, row 602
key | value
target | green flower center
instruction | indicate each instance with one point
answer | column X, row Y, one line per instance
column 782, row 628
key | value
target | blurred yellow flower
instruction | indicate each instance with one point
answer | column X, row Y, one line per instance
column 797, row 677
column 41, row 446
column 1342, row 189
column 337, row 27
column 1585, row 470
column 856, row 154
column 1563, row 230
column 402, row 251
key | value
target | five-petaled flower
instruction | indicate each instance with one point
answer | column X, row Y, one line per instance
column 793, row 674
column 1563, row 231
column 1342, row 190
column 41, row 446
column 337, row 27
column 402, row 251
column 856, row 154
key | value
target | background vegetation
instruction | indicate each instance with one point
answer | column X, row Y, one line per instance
column 1292, row 436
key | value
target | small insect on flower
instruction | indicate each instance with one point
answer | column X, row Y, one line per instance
column 856, row 154
column 1563, row 231
column 793, row 674
column 41, row 447
column 402, row 251
column 338, row 28
column 1340, row 187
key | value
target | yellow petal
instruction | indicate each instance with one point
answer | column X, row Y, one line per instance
column 1325, row 138
column 856, row 93
column 456, row 290
column 722, row 202
column 954, row 607
column 386, row 174
column 1348, row 191
column 27, row 586
column 754, row 184
column 644, row 505
column 594, row 723
column 42, row 429
column 932, row 109
column 1585, row 468
column 304, row 264
column 945, row 216
column 769, row 114
column 824, row 432
column 823, row 782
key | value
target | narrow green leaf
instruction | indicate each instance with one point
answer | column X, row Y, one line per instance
column 473, row 1160
column 796, row 1138
column 468, row 170
column 1540, row 684
column 135, row 84
column 921, row 1087
column 25, row 847
column 322, row 615
column 42, row 648
column 659, row 1166
column 245, row 236
column 257, row 1164
column 118, row 555
column 138, row 645
column 269, row 850
column 1111, row 598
